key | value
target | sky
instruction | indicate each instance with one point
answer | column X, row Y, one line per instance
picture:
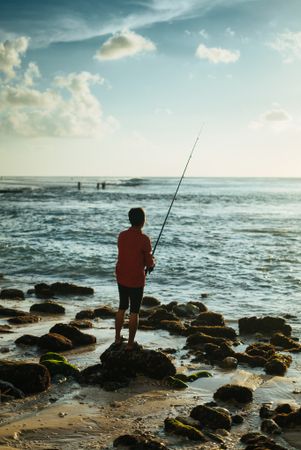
column 123, row 87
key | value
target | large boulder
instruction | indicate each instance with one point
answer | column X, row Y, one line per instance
column 10, row 312
column 54, row 342
column 21, row 320
column 241, row 394
column 186, row 310
column 44, row 290
column 209, row 318
column 216, row 331
column 12, row 294
column 285, row 342
column 77, row 337
column 30, row 378
column 138, row 442
column 266, row 325
column 105, row 312
column 151, row 363
column 49, row 307
column 85, row 314
column 150, row 301
column 177, row 427
column 27, row 339
column 213, row 418
column 159, row 315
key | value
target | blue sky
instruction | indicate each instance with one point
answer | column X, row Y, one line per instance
column 121, row 88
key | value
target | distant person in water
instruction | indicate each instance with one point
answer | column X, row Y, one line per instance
column 134, row 261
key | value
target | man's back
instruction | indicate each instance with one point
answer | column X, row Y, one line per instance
column 134, row 254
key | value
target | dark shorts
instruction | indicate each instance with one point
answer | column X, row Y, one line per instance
column 130, row 296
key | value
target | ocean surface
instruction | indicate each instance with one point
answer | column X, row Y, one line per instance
column 238, row 240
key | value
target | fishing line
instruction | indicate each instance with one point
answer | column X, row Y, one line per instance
column 178, row 187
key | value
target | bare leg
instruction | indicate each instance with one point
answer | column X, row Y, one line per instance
column 119, row 320
column 133, row 325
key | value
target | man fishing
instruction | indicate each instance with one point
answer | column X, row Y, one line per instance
column 134, row 261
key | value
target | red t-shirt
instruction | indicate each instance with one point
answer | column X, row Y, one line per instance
column 134, row 254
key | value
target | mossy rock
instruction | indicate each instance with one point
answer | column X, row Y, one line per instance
column 58, row 364
column 176, row 383
column 52, row 356
column 193, row 376
column 177, row 427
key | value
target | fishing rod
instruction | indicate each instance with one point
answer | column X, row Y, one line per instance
column 178, row 187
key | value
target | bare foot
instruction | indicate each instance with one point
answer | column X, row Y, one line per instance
column 119, row 340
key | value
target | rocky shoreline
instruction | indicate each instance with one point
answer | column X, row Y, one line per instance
column 209, row 389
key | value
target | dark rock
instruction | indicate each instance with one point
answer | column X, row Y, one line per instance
column 237, row 419
column 12, row 294
column 284, row 408
column 209, row 318
column 289, row 420
column 186, row 310
column 93, row 374
column 85, row 314
column 241, row 394
column 138, row 442
column 81, row 324
column 150, row 301
column 44, row 290
column 285, row 342
column 200, row 339
column 151, row 363
column 105, row 312
column 159, row 315
column 200, row 305
column 74, row 334
column 211, row 417
column 30, row 378
column 21, row 320
column 265, row 325
column 5, row 329
column 173, row 326
column 10, row 312
column 266, row 412
column 27, row 339
column 257, row 441
column 218, row 352
column 49, row 307
column 177, row 427
column 229, row 362
column 278, row 364
column 55, row 342
column 8, row 391
column 216, row 331
column 252, row 361
column 261, row 349
column 31, row 291
column 269, row 426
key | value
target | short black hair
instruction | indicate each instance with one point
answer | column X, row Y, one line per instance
column 136, row 216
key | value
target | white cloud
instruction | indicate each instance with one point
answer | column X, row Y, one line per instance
column 276, row 119
column 288, row 44
column 217, row 55
column 31, row 73
column 124, row 44
column 67, row 109
column 10, row 55
column 204, row 34
column 230, row 32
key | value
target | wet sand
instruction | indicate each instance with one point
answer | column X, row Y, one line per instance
column 70, row 416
